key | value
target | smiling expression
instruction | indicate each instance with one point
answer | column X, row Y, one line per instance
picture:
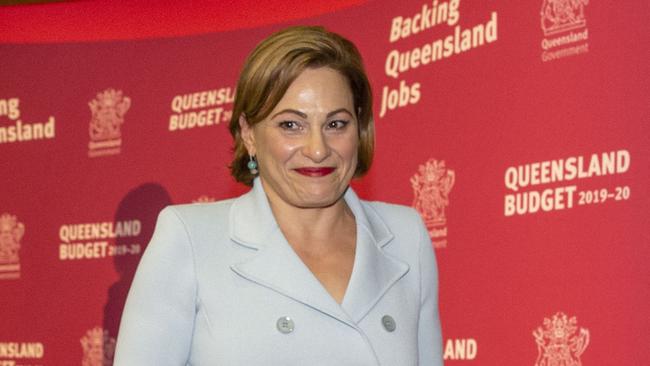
column 307, row 147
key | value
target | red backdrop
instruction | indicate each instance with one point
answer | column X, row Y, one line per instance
column 518, row 129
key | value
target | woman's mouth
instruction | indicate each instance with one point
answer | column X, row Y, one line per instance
column 315, row 172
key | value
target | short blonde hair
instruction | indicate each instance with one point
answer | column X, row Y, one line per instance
column 275, row 63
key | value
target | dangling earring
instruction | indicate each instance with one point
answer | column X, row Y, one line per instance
column 252, row 165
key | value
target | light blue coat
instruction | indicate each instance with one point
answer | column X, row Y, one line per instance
column 216, row 278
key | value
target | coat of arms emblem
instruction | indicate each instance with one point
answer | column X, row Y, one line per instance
column 11, row 232
column 560, row 342
column 563, row 15
column 108, row 110
column 431, row 186
column 98, row 348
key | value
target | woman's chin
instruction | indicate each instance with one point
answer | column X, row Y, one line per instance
column 317, row 201
column 318, row 198
column 307, row 192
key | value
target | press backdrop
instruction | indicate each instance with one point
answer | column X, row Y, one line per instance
column 519, row 130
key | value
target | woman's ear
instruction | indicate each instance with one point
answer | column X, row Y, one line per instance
column 247, row 135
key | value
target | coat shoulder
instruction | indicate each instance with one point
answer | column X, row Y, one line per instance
column 201, row 213
column 404, row 222
column 393, row 215
column 199, row 219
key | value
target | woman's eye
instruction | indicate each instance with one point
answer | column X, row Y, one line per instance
column 289, row 125
column 337, row 125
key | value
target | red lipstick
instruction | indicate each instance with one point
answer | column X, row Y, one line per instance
column 315, row 172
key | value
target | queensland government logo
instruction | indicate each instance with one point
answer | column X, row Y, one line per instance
column 560, row 342
column 11, row 232
column 431, row 186
column 565, row 28
column 108, row 110
column 98, row 348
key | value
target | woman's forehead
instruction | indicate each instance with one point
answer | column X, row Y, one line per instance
column 321, row 90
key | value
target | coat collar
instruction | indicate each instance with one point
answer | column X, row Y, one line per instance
column 278, row 267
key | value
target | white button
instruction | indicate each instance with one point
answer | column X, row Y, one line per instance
column 388, row 322
column 285, row 325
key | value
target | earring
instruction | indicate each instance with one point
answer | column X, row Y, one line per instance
column 252, row 165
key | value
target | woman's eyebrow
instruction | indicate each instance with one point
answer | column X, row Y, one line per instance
column 304, row 115
column 330, row 114
column 288, row 110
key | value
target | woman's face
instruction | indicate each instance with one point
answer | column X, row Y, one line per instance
column 307, row 147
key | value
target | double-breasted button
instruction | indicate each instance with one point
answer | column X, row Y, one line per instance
column 389, row 323
column 285, row 324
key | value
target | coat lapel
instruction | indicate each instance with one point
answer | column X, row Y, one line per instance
column 374, row 271
column 277, row 267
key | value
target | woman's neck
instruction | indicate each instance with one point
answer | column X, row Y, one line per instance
column 311, row 229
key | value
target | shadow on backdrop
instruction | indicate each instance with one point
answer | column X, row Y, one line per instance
column 142, row 203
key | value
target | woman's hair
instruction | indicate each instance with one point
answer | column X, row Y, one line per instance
column 275, row 63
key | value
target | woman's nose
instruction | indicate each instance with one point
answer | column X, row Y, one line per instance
column 316, row 147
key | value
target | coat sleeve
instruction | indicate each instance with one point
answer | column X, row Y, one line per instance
column 158, row 318
column 429, row 332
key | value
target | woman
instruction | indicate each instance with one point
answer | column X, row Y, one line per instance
column 298, row 271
